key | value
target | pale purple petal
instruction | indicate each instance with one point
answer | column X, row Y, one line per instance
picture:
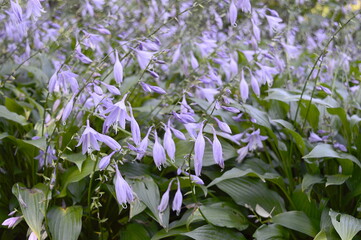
column 118, row 69
column 158, row 152
column 233, row 14
column 199, row 148
column 178, row 199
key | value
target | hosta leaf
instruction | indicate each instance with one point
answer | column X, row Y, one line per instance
column 296, row 220
column 169, row 233
column 148, row 193
column 11, row 116
column 345, row 225
column 65, row 223
column 271, row 231
column 134, row 231
column 326, row 151
column 77, row 158
column 250, row 192
column 337, row 179
column 33, row 204
column 214, row 233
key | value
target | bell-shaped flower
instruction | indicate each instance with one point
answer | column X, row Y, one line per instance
column 184, row 107
column 113, row 90
column 230, row 109
column 67, row 110
column 168, row 143
column 12, row 221
column 183, row 118
column 34, row 9
column 144, row 58
column 118, row 69
column 165, row 199
column 199, row 147
column 255, row 86
column 242, row 153
column 194, row 61
column 245, row 5
column 104, row 162
column 217, row 150
column 117, row 115
column 79, row 55
column 178, row 199
column 176, row 54
column 254, row 140
column 178, row 134
column 143, row 145
column 134, row 126
column 158, row 152
column 17, row 11
column 89, row 140
column 122, row 189
column 149, row 88
column 233, row 67
column 243, row 88
column 223, row 126
column 233, row 14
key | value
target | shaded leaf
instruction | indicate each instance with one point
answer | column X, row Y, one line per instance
column 65, row 224
column 296, row 220
column 346, row 226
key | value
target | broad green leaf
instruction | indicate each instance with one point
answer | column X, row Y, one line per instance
column 65, row 224
column 3, row 135
column 11, row 116
column 250, row 192
column 341, row 113
column 296, row 220
column 39, row 143
column 271, row 231
column 136, row 207
column 345, row 225
column 326, row 151
column 33, row 204
column 308, row 181
column 214, row 233
column 336, row 179
column 73, row 175
column 134, row 231
column 77, row 158
column 222, row 215
column 260, row 116
column 169, row 233
column 148, row 193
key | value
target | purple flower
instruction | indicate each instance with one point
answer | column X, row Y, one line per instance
column 62, row 81
column 255, row 86
column 17, row 11
column 314, row 138
column 104, row 162
column 149, row 88
column 185, row 108
column 122, row 189
column 243, row 88
column 143, row 145
column 67, row 110
column 158, row 152
column 230, row 109
column 199, row 147
column 183, row 118
column 12, row 221
column 233, row 14
column 244, row 5
column 144, row 58
column 118, row 115
column 217, row 150
column 118, row 69
column 254, row 140
column 178, row 199
column 50, row 156
column 176, row 54
column 79, row 55
column 194, row 61
column 340, row 147
column 113, row 90
column 90, row 137
column 134, row 127
column 178, row 134
column 242, row 153
column 165, row 199
column 223, row 126
column 34, row 9
column 168, row 143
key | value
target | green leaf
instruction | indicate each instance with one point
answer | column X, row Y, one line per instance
column 336, row 179
column 134, row 231
column 250, row 192
column 136, row 207
column 308, row 181
column 326, row 151
column 5, row 113
column 39, row 143
column 65, row 224
column 77, row 158
column 33, row 205
column 221, row 215
column 341, row 113
column 260, row 116
column 215, row 233
column 345, row 225
column 271, row 231
column 73, row 175
column 169, row 233
column 148, row 193
column 296, row 220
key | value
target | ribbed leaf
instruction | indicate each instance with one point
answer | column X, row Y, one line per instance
column 33, row 205
column 134, row 231
column 65, row 224
column 11, row 116
column 271, row 231
column 214, row 233
column 296, row 220
column 346, row 226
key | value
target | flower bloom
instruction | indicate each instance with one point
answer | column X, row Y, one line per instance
column 122, row 189
column 178, row 199
column 104, row 162
column 12, row 221
column 134, row 127
column 149, row 88
column 232, row 14
column 90, row 137
column 118, row 115
column 143, row 145
column 158, row 152
column 165, row 199
column 199, row 147
column 118, row 69
column 217, row 150
column 168, row 143
column 243, row 88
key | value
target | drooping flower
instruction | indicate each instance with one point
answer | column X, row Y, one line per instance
column 314, row 138
column 217, row 150
column 81, row 56
column 178, row 199
column 117, row 115
column 232, row 14
column 165, row 199
column 244, row 5
column 223, row 126
column 104, row 162
column 243, row 88
column 113, row 90
column 254, row 140
column 194, row 61
column 168, row 142
column 149, row 88
column 255, row 85
column 12, row 221
column 143, row 145
column 199, row 148
column 122, row 189
column 178, row 134
column 67, row 110
column 118, row 69
column 158, row 152
column 144, row 58
column 134, row 126
column 17, row 11
column 89, row 140
column 183, row 118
